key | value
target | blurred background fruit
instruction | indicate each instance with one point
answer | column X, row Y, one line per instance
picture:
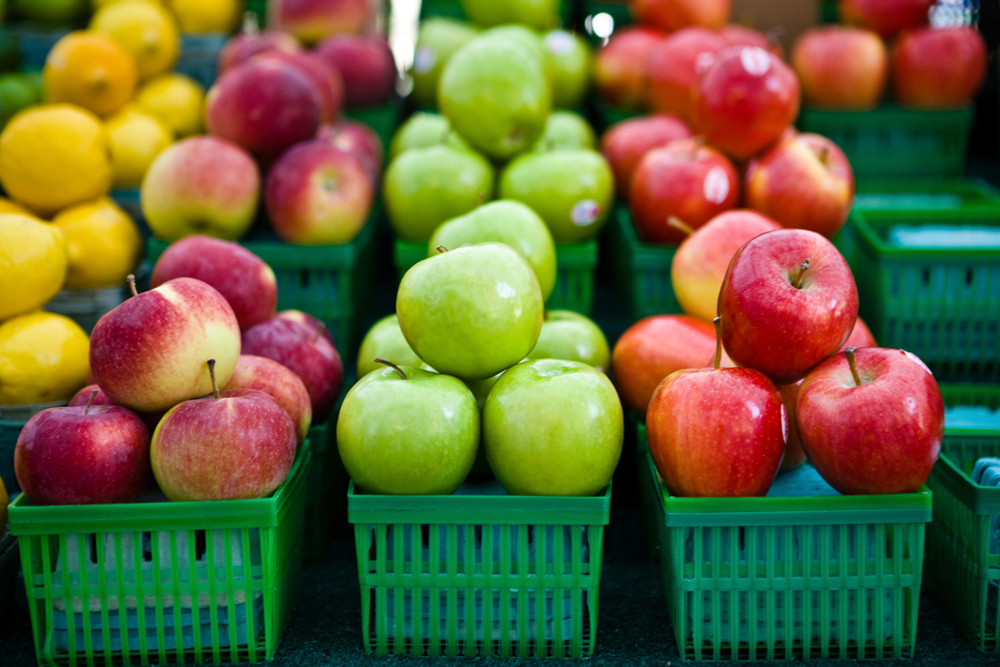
column 17, row 91
column 206, row 15
column 103, row 245
column 90, row 70
column 177, row 100
column 146, row 29
column 32, row 263
column 44, row 358
column 135, row 138
column 51, row 12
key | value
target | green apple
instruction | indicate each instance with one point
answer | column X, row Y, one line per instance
column 426, row 186
column 572, row 337
column 407, row 431
column 495, row 93
column 572, row 190
column 526, row 37
column 385, row 340
column 565, row 130
column 509, row 222
column 437, row 39
column 471, row 312
column 569, row 62
column 422, row 130
column 481, row 390
column 538, row 14
column 553, row 428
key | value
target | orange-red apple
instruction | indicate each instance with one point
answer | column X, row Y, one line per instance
column 841, row 67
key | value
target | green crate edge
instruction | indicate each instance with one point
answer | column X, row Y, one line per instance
column 635, row 264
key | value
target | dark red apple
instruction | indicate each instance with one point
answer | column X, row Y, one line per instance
column 367, row 66
column 671, row 15
column 621, row 67
column 794, row 454
column 315, row 325
column 249, row 43
column 675, row 65
column 280, row 383
column 328, row 81
column 87, row 396
column 626, row 142
column 886, row 17
column 359, row 140
column 938, row 68
column 841, row 67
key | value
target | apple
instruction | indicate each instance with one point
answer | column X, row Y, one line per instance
column 671, row 15
column 621, row 67
column 840, row 67
column 788, row 302
column 318, row 195
column 537, row 14
column 471, row 312
column 745, row 100
column 360, row 141
column 200, row 185
column 508, row 222
column 278, row 382
column 499, row 125
column 403, row 430
column 250, row 42
column 794, row 454
column 313, row 20
column 94, row 454
column 521, row 35
column 241, row 277
column 553, row 428
column 701, row 260
column 938, row 68
column 675, row 66
column 385, row 340
column 265, row 106
column 737, row 35
column 572, row 190
column 315, row 325
column 684, row 179
column 149, row 353
column 426, row 186
column 565, row 130
column 438, row 38
column 86, row 396
column 625, row 143
column 572, row 337
column 328, row 82
column 717, row 432
column 366, row 64
column 861, row 336
column 304, row 351
column 570, row 62
column 886, row 17
column 234, row 445
column 481, row 390
column 653, row 348
column 871, row 421
column 422, row 130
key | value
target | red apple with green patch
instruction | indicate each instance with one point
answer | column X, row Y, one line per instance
column 280, row 383
column 625, row 143
column 313, row 20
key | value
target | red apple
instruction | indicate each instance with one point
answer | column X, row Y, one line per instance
column 367, row 65
column 717, row 432
column 360, row 141
column 701, row 261
column 83, row 455
column 737, row 35
column 83, row 397
column 315, row 325
column 886, row 17
column 872, row 423
column 314, row 20
column 861, row 336
column 788, row 302
column 327, row 80
column 840, row 67
column 686, row 180
column 794, row 454
column 805, row 182
column 653, row 348
column 249, row 43
column 264, row 106
column 938, row 68
column 279, row 383
column 675, row 66
column 745, row 100
column 306, row 353
column 626, row 142
column 671, row 15
column 621, row 67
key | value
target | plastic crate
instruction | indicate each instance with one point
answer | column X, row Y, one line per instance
column 259, row 9
column 803, row 573
column 188, row 582
column 964, row 567
column 34, row 43
column 890, row 141
column 10, row 566
column 942, row 304
column 640, row 272
column 87, row 306
column 604, row 115
column 12, row 420
column 479, row 573
column 199, row 56
column 384, row 119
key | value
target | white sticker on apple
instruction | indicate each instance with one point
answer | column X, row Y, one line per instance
column 716, row 185
column 917, row 360
column 559, row 42
column 756, row 60
column 585, row 212
column 424, row 59
column 703, row 61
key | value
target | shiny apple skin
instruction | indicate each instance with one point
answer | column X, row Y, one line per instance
column 794, row 454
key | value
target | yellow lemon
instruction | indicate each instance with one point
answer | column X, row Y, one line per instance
column 146, row 29
column 135, row 137
column 102, row 243
column 7, row 206
column 32, row 263
column 54, row 156
column 44, row 357
column 178, row 100
column 90, row 70
column 206, row 15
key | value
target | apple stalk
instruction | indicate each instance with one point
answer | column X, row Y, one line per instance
column 849, row 353
column 393, row 366
column 90, row 401
column 718, row 343
column 211, row 374
column 797, row 280
column 130, row 279
column 680, row 225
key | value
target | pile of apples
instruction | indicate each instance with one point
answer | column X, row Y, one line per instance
column 198, row 383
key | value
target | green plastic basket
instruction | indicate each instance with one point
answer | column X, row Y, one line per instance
column 35, row 42
column 806, row 574
column 190, row 582
column 259, row 9
column 890, row 141
column 942, row 304
column 963, row 569
column 479, row 573
column 10, row 565
column 199, row 56
column 640, row 272
column 384, row 119
column 605, row 115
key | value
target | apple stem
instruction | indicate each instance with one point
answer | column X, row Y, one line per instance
column 393, row 366
column 680, row 225
column 697, row 145
column 480, row 199
column 797, row 280
column 440, row 248
column 320, row 328
column 849, row 353
column 131, row 284
column 824, row 155
column 211, row 373
column 774, row 35
column 718, row 342
column 250, row 26
column 90, row 401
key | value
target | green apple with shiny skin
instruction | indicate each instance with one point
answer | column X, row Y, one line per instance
column 526, row 37
column 385, row 340
column 496, row 95
column 425, row 186
column 572, row 337
column 538, row 14
column 471, row 312
column 438, row 38
column 408, row 431
column 509, row 222
column 553, row 428
column 569, row 63
column 565, row 130
column 572, row 190
column 422, row 130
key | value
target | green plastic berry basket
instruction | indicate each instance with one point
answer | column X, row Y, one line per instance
column 199, row 56
column 604, row 115
column 640, row 272
column 156, row 582
column 890, row 141
column 479, row 573
column 963, row 557
column 383, row 119
column 34, row 43
column 803, row 573
column 10, row 565
column 259, row 9
column 128, row 199
column 939, row 297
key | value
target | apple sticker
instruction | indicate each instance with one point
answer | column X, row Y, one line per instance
column 559, row 42
column 716, row 185
column 585, row 212
column 755, row 60
column 424, row 59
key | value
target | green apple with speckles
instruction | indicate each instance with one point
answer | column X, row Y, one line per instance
column 471, row 312
column 385, row 340
column 565, row 130
column 437, row 40
column 422, row 130
column 572, row 337
column 508, row 222
column 407, row 431
column 569, row 62
column 553, row 428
